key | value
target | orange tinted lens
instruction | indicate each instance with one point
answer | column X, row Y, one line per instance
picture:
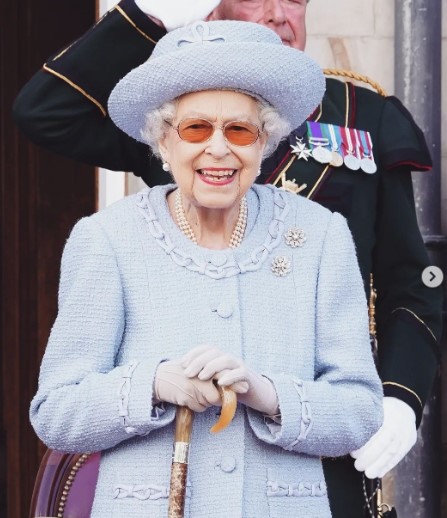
column 195, row 130
column 241, row 133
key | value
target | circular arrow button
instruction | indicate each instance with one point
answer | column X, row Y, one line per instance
column 432, row 276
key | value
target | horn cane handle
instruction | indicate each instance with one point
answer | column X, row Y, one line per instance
column 184, row 418
column 183, row 426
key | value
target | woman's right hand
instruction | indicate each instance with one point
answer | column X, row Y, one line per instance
column 173, row 386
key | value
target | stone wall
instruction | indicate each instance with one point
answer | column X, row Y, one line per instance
column 359, row 36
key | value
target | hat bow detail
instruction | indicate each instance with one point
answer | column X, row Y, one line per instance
column 200, row 33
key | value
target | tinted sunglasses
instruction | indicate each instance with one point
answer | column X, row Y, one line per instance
column 197, row 131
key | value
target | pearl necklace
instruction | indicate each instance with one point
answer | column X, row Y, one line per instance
column 185, row 227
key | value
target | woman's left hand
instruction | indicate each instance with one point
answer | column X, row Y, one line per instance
column 256, row 391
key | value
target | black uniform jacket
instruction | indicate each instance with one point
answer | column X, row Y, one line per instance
column 64, row 108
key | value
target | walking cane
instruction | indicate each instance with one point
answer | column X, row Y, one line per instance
column 184, row 418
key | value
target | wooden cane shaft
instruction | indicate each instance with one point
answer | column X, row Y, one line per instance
column 184, row 418
column 183, row 424
column 177, row 490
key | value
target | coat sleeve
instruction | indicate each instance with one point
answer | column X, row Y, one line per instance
column 341, row 408
column 84, row 401
column 63, row 108
column 408, row 313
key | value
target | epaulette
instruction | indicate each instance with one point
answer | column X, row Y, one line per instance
column 349, row 74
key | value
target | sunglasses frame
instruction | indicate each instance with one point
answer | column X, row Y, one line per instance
column 214, row 126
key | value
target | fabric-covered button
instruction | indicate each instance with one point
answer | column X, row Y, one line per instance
column 227, row 464
column 224, row 310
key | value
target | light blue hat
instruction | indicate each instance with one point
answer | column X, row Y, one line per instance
column 219, row 55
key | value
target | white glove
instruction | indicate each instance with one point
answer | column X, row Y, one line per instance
column 177, row 13
column 172, row 385
column 253, row 390
column 391, row 443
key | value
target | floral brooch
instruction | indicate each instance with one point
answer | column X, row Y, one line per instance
column 281, row 266
column 295, row 237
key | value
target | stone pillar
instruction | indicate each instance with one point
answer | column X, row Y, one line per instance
column 416, row 481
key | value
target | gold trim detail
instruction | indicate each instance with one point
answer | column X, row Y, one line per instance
column 372, row 318
column 62, row 52
column 357, row 77
column 405, row 388
column 69, row 482
column 320, row 113
column 317, row 183
column 283, row 172
column 418, row 319
column 347, row 105
column 372, row 307
column 291, row 185
column 78, row 88
column 118, row 8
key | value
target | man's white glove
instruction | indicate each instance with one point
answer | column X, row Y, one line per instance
column 177, row 13
column 253, row 390
column 391, row 443
column 173, row 386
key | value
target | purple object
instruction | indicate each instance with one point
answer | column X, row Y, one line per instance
column 65, row 485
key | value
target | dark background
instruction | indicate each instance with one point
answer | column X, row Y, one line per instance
column 41, row 197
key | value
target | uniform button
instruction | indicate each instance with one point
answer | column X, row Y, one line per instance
column 224, row 310
column 227, row 464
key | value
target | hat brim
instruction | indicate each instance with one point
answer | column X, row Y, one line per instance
column 288, row 80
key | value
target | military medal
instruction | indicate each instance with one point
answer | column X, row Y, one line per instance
column 367, row 163
column 321, row 154
column 350, row 159
column 300, row 149
column 318, row 143
column 337, row 159
column 351, row 162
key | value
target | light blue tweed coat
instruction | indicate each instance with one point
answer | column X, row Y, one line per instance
column 135, row 291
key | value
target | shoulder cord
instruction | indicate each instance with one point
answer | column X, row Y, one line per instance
column 349, row 74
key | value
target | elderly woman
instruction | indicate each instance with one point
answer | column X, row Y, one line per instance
column 168, row 290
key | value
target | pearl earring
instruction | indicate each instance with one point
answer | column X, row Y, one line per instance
column 259, row 172
column 166, row 167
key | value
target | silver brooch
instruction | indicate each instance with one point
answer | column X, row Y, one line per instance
column 281, row 266
column 295, row 237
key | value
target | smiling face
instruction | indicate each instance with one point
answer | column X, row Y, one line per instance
column 286, row 17
column 214, row 174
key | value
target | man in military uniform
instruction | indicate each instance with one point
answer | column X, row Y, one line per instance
column 354, row 156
